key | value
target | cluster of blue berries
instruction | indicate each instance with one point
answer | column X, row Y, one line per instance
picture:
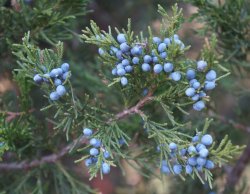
column 57, row 77
column 195, row 156
column 128, row 56
column 95, row 151
column 197, row 90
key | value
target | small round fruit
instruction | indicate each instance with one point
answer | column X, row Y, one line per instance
column 38, row 79
column 121, row 38
column 147, row 59
column 95, row 142
column 54, row 96
column 211, row 75
column 145, row 67
column 190, row 74
column 93, row 152
column 60, row 90
column 190, row 92
column 124, row 81
column 168, row 67
column 203, row 153
column 158, row 68
column 201, row 65
column 176, row 76
column 189, row 169
column 207, row 140
column 172, row 146
column 198, row 106
column 105, row 168
column 177, row 168
column 87, row 132
column 209, row 164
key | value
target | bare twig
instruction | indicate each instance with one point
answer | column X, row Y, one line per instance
column 13, row 115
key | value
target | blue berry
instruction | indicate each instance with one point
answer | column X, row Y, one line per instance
column 87, row 132
column 195, row 139
column 190, row 74
column 60, row 90
column 201, row 65
column 114, row 71
column 168, row 67
column 167, row 41
column 176, row 76
column 198, row 106
column 119, row 55
column 105, row 168
column 95, row 142
column 57, row 82
column 196, row 85
column 147, row 58
column 113, row 50
column 207, row 140
column 119, row 65
column 124, row 81
column 121, row 141
column 121, row 72
column 125, row 62
column 199, row 168
column 165, row 169
column 38, row 79
column 59, row 71
column 183, row 152
column 88, row 162
column 200, row 147
column 93, row 152
column 54, row 73
column 46, row 77
column 155, row 59
column 203, row 153
column 209, row 85
column 192, row 161
column 65, row 75
column 201, row 161
column 101, row 51
column 172, row 146
column 177, row 168
column 156, row 40
column 190, row 92
column 158, row 68
column 202, row 94
column 121, row 38
column 145, row 92
column 191, row 82
column 195, row 97
column 128, row 68
column 54, row 96
column 209, row 164
column 65, row 67
column 137, row 50
column 176, row 37
column 106, row 154
column 191, row 149
column 124, row 47
column 145, row 67
column 211, row 75
column 163, row 55
column 135, row 60
column 162, row 47
column 189, row 169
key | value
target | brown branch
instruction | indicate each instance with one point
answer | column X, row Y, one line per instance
column 52, row 158
column 13, row 115
column 236, row 172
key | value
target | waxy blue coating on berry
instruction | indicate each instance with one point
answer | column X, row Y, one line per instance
column 145, row 67
column 113, row 50
column 172, row 146
column 106, row 154
column 176, row 76
column 192, row 161
column 201, row 161
column 119, row 55
column 163, row 55
column 211, row 75
column 60, row 90
column 57, row 82
column 198, row 106
column 167, row 41
column 156, row 40
column 121, row 38
column 128, row 68
column 201, row 65
column 145, row 92
column 202, row 94
column 119, row 65
column 165, row 169
column 125, row 62
column 101, row 51
column 121, row 72
column 209, row 85
column 38, row 79
column 155, row 59
column 207, row 140
column 183, row 152
column 59, row 71
column 124, row 47
column 65, row 75
column 124, row 81
column 135, row 60
column 199, row 168
column 191, row 149
column 168, row 67
column 87, row 132
column 136, row 50
column 200, row 146
column 190, row 74
column 162, row 47
column 88, row 162
column 196, row 85
column 195, row 138
column 189, row 169
column 147, row 59
column 105, row 168
column 95, row 142
column 54, row 96
column 177, row 168
column 114, row 71
column 195, row 97
column 190, row 92
column 54, row 73
column 203, row 153
column 93, row 152
column 209, row 164
column 158, row 68
column 191, row 82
